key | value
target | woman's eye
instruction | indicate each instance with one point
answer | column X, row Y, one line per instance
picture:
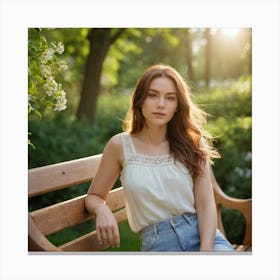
column 171, row 98
column 152, row 95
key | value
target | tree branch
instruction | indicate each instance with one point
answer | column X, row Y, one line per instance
column 116, row 35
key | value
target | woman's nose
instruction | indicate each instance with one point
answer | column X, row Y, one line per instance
column 161, row 102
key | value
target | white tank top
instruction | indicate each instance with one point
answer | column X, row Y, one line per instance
column 156, row 187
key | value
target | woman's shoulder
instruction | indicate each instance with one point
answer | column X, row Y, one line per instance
column 116, row 141
column 116, row 146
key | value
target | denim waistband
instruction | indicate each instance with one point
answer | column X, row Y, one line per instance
column 171, row 222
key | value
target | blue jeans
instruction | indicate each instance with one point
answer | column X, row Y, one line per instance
column 179, row 233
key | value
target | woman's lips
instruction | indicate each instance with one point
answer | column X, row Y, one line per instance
column 159, row 114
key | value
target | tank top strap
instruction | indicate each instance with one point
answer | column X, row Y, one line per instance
column 128, row 146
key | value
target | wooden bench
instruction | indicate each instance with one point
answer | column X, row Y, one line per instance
column 51, row 219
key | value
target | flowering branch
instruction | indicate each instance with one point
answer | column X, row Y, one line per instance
column 44, row 66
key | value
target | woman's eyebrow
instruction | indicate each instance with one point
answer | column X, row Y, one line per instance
column 154, row 90
column 150, row 89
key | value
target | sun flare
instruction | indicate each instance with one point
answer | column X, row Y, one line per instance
column 230, row 32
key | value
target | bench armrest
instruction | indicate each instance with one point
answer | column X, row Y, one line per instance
column 36, row 240
column 242, row 205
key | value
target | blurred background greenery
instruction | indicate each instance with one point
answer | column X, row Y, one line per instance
column 103, row 67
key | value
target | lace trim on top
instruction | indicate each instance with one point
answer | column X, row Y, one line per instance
column 132, row 156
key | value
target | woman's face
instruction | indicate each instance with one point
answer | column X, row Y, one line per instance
column 160, row 103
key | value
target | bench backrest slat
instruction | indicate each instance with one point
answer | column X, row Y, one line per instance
column 89, row 242
column 61, row 175
column 71, row 212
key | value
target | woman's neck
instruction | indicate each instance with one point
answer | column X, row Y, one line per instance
column 154, row 135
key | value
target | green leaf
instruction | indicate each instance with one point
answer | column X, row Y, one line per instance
column 37, row 113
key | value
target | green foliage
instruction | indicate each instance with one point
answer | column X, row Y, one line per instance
column 229, row 100
column 149, row 46
column 138, row 48
column 65, row 138
column 54, row 197
column 230, row 122
column 71, row 233
column 235, row 147
column 60, row 139
column 234, row 225
column 233, row 170
column 123, row 47
column 44, row 67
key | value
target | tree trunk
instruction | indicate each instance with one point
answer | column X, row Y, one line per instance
column 100, row 41
column 208, row 51
column 188, row 44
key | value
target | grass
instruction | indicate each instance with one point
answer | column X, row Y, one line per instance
column 129, row 241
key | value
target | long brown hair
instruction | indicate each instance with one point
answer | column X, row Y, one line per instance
column 188, row 142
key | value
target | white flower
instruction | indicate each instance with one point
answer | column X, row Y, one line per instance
column 49, row 54
column 239, row 171
column 59, row 107
column 245, row 173
column 248, row 173
column 59, row 48
column 61, row 101
column 63, row 93
column 62, row 66
column 45, row 70
column 248, row 156
column 51, row 86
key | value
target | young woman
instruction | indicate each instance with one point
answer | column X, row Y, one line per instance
column 163, row 159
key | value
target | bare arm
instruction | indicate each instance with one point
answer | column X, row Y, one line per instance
column 107, row 174
column 206, row 209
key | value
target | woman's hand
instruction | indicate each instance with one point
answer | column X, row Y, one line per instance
column 107, row 229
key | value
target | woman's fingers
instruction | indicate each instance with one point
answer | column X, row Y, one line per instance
column 98, row 235
column 105, row 236
column 107, row 230
column 109, row 235
column 116, row 236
